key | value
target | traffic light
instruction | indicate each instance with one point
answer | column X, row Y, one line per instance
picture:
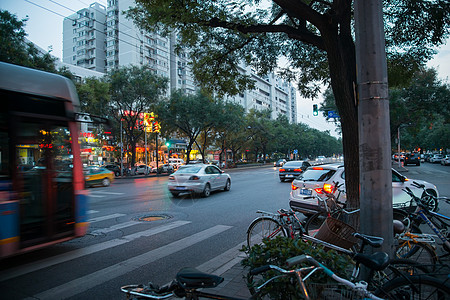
column 168, row 144
column 315, row 110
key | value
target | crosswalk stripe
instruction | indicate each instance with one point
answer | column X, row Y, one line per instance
column 114, row 227
column 92, row 211
column 222, row 263
column 82, row 284
column 34, row 266
column 98, row 219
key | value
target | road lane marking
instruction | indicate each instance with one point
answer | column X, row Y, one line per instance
column 96, row 196
column 114, row 227
column 92, row 211
column 54, row 260
column 98, row 219
column 223, row 262
column 87, row 282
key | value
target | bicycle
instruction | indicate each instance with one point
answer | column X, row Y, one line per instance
column 189, row 282
column 438, row 223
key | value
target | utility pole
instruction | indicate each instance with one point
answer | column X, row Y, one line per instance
column 374, row 131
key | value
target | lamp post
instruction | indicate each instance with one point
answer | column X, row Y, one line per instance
column 121, row 150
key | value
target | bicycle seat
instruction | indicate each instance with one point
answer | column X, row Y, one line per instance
column 193, row 278
column 377, row 261
column 373, row 241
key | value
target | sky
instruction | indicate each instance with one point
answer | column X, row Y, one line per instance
column 45, row 27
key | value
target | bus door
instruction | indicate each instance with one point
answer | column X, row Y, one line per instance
column 43, row 180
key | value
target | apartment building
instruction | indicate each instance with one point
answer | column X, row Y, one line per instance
column 84, row 38
column 125, row 44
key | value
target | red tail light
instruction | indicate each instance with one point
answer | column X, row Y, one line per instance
column 194, row 177
column 171, row 177
column 282, row 170
column 317, row 168
column 328, row 188
column 297, row 170
column 318, row 190
column 293, row 187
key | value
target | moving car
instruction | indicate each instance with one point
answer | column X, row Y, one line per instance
column 292, row 169
column 114, row 168
column 98, row 176
column 446, row 160
column 198, row 178
column 436, row 158
column 279, row 163
column 318, row 178
column 412, row 158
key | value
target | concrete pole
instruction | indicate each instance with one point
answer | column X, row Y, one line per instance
column 374, row 131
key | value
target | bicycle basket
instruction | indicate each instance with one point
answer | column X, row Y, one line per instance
column 336, row 232
column 334, row 291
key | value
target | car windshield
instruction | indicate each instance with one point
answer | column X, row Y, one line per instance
column 293, row 164
column 189, row 169
column 316, row 175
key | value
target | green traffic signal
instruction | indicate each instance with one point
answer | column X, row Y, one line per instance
column 315, row 110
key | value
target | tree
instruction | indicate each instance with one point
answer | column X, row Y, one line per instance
column 16, row 50
column 315, row 36
column 133, row 91
column 184, row 113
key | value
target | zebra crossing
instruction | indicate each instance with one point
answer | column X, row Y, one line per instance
column 82, row 284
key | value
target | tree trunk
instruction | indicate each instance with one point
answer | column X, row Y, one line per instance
column 342, row 64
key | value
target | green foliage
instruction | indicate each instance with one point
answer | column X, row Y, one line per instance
column 15, row 50
column 277, row 251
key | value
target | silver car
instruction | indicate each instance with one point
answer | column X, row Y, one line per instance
column 198, row 178
column 317, row 179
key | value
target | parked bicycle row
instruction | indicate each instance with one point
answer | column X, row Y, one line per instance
column 285, row 253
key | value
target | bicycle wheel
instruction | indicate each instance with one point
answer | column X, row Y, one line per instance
column 314, row 222
column 419, row 252
column 398, row 267
column 415, row 287
column 263, row 227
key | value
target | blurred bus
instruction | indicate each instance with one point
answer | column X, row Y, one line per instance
column 42, row 197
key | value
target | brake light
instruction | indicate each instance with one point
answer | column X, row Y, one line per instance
column 328, row 188
column 298, row 170
column 293, row 187
column 318, row 190
column 282, row 170
column 317, row 168
column 171, row 177
column 194, row 177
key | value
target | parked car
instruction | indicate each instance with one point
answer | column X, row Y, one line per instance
column 436, row 158
column 279, row 163
column 318, row 178
column 114, row 168
column 446, row 160
column 98, row 176
column 412, row 158
column 427, row 157
column 292, row 169
column 166, row 168
column 143, row 169
column 198, row 178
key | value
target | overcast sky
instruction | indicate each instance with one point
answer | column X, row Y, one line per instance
column 45, row 23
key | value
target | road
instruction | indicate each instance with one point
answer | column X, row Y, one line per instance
column 139, row 233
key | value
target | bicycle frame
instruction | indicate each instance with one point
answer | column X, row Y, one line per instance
column 422, row 213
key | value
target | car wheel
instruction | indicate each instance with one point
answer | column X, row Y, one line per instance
column 206, row 191
column 175, row 194
column 106, row 182
column 281, row 179
column 227, row 185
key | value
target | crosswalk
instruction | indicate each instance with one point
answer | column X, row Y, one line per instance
column 83, row 283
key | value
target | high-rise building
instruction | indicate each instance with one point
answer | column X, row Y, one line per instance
column 123, row 44
column 84, row 38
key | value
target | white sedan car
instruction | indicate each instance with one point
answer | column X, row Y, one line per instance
column 198, row 178
column 316, row 179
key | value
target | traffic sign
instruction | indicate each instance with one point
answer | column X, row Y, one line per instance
column 295, row 151
column 332, row 114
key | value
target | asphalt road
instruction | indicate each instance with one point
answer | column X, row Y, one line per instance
column 140, row 233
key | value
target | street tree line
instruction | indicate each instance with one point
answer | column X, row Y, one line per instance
column 420, row 108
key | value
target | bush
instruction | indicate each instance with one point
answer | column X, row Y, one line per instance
column 276, row 252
